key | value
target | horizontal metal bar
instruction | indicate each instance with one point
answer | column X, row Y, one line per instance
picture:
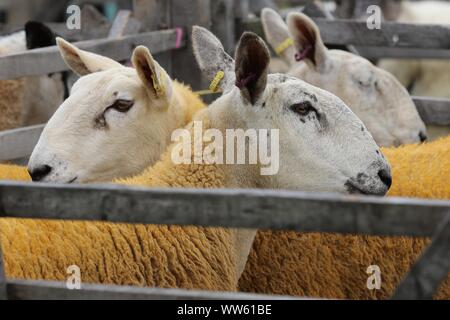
column 403, row 53
column 19, row 143
column 48, row 60
column 49, row 290
column 391, row 35
column 392, row 39
column 433, row 110
column 253, row 209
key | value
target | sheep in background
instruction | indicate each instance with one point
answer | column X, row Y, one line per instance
column 201, row 257
column 381, row 102
column 30, row 100
column 426, row 77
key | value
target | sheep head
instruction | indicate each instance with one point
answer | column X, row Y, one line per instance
column 323, row 146
column 375, row 95
column 116, row 122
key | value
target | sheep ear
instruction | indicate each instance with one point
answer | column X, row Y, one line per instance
column 252, row 65
column 212, row 58
column 38, row 35
column 83, row 62
column 152, row 75
column 307, row 39
column 278, row 36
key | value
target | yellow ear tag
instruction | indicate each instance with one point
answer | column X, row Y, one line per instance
column 160, row 90
column 214, row 86
column 283, row 46
column 216, row 81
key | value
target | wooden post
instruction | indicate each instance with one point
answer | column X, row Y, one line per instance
column 223, row 23
column 124, row 24
column 316, row 9
column 154, row 15
column 426, row 276
column 3, row 292
column 185, row 14
column 241, row 12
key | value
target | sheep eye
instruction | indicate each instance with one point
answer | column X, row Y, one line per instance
column 303, row 108
column 122, row 106
column 363, row 84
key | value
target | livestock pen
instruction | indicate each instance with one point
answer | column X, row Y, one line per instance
column 277, row 210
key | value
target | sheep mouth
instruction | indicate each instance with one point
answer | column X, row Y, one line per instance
column 353, row 189
column 72, row 181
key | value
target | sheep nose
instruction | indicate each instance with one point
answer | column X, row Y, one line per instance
column 385, row 177
column 39, row 173
column 423, row 137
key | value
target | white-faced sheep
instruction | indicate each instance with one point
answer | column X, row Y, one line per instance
column 376, row 97
column 30, row 100
column 112, row 111
column 171, row 256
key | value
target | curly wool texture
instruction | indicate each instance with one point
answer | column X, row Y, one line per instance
column 162, row 256
column 334, row 266
column 11, row 100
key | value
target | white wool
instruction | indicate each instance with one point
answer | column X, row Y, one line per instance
column 13, row 43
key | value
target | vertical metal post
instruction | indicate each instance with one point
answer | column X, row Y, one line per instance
column 154, row 15
column 425, row 277
column 3, row 289
column 186, row 14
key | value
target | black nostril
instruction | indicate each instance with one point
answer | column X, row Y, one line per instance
column 385, row 177
column 423, row 137
column 40, row 173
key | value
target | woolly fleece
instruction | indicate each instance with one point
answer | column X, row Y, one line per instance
column 11, row 100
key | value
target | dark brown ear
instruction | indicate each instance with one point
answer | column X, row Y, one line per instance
column 252, row 65
column 307, row 39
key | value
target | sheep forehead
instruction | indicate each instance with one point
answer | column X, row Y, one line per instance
column 292, row 90
column 361, row 69
column 106, row 83
column 348, row 60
